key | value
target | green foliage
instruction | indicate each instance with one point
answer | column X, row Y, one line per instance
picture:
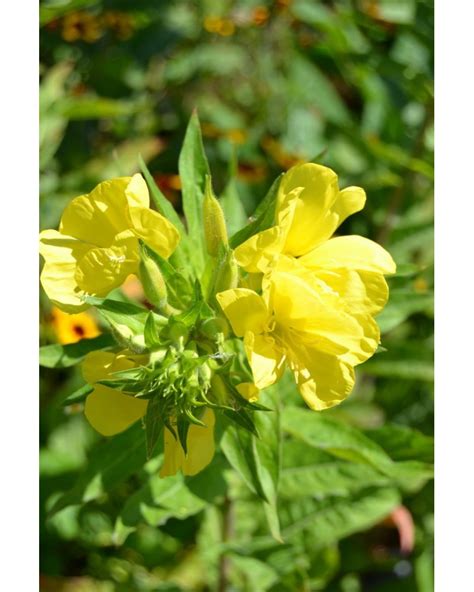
column 64, row 356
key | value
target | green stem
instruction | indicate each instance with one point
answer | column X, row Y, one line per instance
column 227, row 533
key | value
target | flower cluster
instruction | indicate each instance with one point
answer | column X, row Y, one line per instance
column 287, row 295
column 318, row 294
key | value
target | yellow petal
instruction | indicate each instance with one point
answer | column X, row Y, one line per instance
column 174, row 455
column 352, row 252
column 362, row 291
column 245, row 309
column 266, row 359
column 200, row 445
column 323, row 380
column 96, row 365
column 155, row 230
column 320, row 190
column 258, row 252
column 367, row 342
column 249, row 391
column 58, row 275
column 110, row 412
column 306, row 307
column 97, row 217
column 136, row 192
column 99, row 365
column 349, row 201
column 103, row 269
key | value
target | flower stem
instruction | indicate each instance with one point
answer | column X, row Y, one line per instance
column 227, row 533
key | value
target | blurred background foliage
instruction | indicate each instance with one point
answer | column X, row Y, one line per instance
column 348, row 83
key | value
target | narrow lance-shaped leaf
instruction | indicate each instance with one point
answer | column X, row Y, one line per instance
column 267, row 451
column 64, row 356
column 193, row 168
column 164, row 207
column 263, row 217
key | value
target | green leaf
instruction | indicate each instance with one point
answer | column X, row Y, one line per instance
column 403, row 443
column 163, row 205
column 242, row 419
column 93, row 107
column 154, row 423
column 335, row 478
column 346, row 442
column 78, row 395
column 336, row 438
column 127, row 320
column 253, row 573
column 334, row 518
column 267, row 451
column 234, row 211
column 308, row 84
column 193, row 168
column 263, row 217
column 64, row 356
column 400, row 12
column 402, row 304
column 111, row 462
column 151, row 332
column 237, row 445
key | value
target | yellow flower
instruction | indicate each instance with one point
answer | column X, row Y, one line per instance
column 70, row 328
column 200, row 445
column 110, row 412
column 248, row 391
column 96, row 247
column 310, row 207
column 319, row 294
column 300, row 321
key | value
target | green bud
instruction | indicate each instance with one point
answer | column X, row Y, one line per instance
column 215, row 230
column 153, row 282
column 178, row 333
column 212, row 328
column 127, row 338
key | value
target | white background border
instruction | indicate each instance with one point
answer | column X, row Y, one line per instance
column 19, row 316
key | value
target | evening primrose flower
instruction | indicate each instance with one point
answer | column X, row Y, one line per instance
column 310, row 208
column 301, row 322
column 110, row 412
column 319, row 294
column 97, row 246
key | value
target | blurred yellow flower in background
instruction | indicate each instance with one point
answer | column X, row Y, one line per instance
column 96, row 247
column 222, row 26
column 81, row 26
column 70, row 328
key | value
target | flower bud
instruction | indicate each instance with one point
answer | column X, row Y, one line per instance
column 153, row 282
column 215, row 231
